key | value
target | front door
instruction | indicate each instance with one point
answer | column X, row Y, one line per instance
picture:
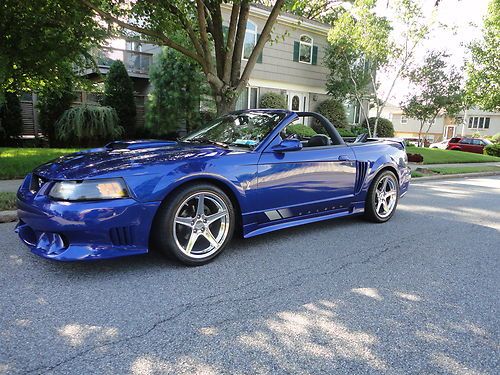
column 450, row 132
column 298, row 102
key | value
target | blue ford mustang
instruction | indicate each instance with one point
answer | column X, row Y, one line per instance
column 251, row 171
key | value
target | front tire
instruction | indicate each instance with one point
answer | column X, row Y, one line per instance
column 382, row 197
column 195, row 224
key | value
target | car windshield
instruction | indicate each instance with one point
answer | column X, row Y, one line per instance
column 246, row 129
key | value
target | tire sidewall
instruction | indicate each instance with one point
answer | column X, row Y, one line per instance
column 164, row 226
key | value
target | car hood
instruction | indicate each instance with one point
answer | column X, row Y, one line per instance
column 125, row 158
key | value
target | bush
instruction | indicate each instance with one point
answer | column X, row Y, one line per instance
column 334, row 111
column 119, row 94
column 177, row 85
column 493, row 149
column 496, row 138
column 11, row 121
column 90, row 125
column 273, row 101
column 385, row 129
column 303, row 131
column 52, row 104
column 346, row 133
column 415, row 158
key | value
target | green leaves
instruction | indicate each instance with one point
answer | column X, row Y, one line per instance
column 437, row 88
column 38, row 38
column 483, row 70
column 177, row 85
column 119, row 94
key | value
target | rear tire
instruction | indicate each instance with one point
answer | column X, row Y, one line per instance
column 382, row 198
column 195, row 224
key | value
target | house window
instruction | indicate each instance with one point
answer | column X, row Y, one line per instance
column 305, row 49
column 248, row 99
column 250, row 40
column 479, row 122
column 133, row 46
column 404, row 120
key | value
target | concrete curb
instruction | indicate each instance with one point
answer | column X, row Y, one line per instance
column 8, row 216
column 458, row 175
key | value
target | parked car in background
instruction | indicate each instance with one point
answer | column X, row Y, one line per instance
column 441, row 145
column 475, row 145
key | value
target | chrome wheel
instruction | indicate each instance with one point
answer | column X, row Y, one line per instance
column 201, row 224
column 385, row 196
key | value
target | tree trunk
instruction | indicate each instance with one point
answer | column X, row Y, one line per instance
column 225, row 100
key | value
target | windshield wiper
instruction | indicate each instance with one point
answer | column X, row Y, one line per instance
column 206, row 140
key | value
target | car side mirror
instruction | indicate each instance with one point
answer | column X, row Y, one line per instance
column 288, row 145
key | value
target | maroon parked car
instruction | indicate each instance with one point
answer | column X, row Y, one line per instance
column 475, row 145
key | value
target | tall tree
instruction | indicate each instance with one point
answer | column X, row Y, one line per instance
column 218, row 53
column 11, row 122
column 39, row 38
column 438, row 90
column 119, row 94
column 483, row 70
column 366, row 46
column 53, row 101
column 177, row 84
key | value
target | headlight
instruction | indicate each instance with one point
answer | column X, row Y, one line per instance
column 89, row 190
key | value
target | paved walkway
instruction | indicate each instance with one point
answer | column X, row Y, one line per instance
column 9, row 185
column 414, row 166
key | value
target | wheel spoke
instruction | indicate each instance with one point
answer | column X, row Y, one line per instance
column 385, row 206
column 391, row 194
column 379, row 205
column 210, row 237
column 200, row 210
column 187, row 221
column 217, row 216
column 384, row 185
column 192, row 240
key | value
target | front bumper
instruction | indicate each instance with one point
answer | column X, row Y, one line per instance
column 70, row 231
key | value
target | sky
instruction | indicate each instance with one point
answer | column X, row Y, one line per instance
column 463, row 20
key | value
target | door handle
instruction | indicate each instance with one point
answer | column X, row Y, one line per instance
column 343, row 158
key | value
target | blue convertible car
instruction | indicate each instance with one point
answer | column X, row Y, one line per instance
column 249, row 171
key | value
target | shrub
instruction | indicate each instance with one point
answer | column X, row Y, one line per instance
column 493, row 149
column 89, row 124
column 119, row 94
column 385, row 129
column 303, row 131
column 177, row 84
column 496, row 138
column 11, row 121
column 334, row 111
column 415, row 158
column 52, row 104
column 346, row 133
column 273, row 101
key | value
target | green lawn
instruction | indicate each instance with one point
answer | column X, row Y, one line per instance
column 7, row 201
column 17, row 162
column 437, row 156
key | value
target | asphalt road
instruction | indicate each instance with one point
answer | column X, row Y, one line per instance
column 419, row 294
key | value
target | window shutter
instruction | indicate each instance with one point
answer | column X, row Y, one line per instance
column 296, row 47
column 259, row 58
column 315, row 55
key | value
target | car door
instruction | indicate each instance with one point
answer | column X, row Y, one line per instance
column 311, row 181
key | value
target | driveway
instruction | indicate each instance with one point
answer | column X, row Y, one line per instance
column 419, row 294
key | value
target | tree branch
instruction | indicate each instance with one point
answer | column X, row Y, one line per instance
column 230, row 43
column 159, row 37
column 264, row 37
column 238, row 42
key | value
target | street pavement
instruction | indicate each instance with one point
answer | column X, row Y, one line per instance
column 419, row 294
